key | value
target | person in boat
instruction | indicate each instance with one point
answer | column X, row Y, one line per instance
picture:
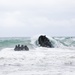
column 26, row 48
column 22, row 47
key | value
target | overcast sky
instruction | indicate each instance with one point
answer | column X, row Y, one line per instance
column 31, row 17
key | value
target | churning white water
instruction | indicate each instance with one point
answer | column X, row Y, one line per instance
column 59, row 60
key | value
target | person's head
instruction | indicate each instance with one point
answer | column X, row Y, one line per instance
column 25, row 46
column 21, row 45
column 18, row 45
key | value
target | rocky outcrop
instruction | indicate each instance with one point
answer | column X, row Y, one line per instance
column 44, row 41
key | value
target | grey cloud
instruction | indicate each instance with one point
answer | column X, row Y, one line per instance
column 28, row 18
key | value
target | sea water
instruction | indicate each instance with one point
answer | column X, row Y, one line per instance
column 10, row 42
column 59, row 60
column 60, row 42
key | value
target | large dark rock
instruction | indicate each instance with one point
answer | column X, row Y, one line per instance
column 44, row 41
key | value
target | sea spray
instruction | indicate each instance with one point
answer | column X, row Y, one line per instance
column 32, row 42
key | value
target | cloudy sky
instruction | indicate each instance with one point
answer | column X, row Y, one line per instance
column 31, row 17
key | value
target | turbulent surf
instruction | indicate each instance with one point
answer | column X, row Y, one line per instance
column 55, row 56
column 57, row 42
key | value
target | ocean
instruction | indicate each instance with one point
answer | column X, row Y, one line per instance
column 59, row 60
column 57, row 42
column 10, row 42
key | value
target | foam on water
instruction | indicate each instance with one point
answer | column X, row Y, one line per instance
column 59, row 60
column 57, row 42
column 38, row 61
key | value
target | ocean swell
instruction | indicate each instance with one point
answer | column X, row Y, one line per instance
column 32, row 42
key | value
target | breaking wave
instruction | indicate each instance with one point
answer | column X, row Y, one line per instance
column 57, row 42
column 32, row 42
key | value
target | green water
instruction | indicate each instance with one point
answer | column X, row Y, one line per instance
column 10, row 42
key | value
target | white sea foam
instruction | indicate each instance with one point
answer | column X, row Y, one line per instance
column 59, row 60
column 38, row 61
column 34, row 41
